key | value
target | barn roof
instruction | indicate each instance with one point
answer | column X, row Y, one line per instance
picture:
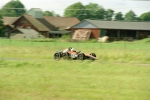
column 35, row 23
column 47, row 24
column 26, row 31
column 61, row 22
column 9, row 20
column 126, row 25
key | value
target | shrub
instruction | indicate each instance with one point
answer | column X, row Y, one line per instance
column 146, row 40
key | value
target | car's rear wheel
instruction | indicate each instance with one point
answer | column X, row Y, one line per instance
column 80, row 56
column 57, row 56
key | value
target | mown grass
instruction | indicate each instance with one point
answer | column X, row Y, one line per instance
column 29, row 72
column 73, row 80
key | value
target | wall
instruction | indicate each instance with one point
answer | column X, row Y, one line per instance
column 95, row 33
column 36, row 13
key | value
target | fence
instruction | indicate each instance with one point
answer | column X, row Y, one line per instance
column 76, row 44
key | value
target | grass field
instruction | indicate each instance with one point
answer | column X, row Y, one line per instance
column 29, row 72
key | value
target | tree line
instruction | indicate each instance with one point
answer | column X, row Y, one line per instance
column 15, row 8
column 95, row 11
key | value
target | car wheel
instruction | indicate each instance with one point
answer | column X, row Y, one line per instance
column 81, row 56
column 57, row 56
column 93, row 54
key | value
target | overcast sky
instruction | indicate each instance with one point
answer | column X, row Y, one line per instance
column 58, row 6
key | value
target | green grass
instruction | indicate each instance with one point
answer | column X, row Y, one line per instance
column 89, row 44
column 73, row 80
column 29, row 72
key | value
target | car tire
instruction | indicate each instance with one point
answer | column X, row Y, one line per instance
column 93, row 54
column 80, row 56
column 57, row 56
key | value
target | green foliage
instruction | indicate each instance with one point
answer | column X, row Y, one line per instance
column 75, row 10
column 50, row 13
column 119, row 16
column 65, row 36
column 90, row 41
column 130, row 16
column 13, row 8
column 146, row 40
column 94, row 11
column 90, row 11
column 2, row 27
column 145, row 16
column 42, row 40
column 108, row 14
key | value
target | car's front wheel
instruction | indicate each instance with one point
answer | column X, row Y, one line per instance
column 93, row 54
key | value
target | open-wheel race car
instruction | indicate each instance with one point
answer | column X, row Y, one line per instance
column 78, row 56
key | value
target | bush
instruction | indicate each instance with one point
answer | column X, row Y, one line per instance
column 146, row 40
column 65, row 37
column 44, row 40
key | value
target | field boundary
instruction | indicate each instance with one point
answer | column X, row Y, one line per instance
column 34, row 59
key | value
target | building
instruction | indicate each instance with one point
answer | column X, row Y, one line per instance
column 21, row 33
column 47, row 26
column 115, row 30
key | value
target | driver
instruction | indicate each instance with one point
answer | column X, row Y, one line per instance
column 73, row 53
column 66, row 50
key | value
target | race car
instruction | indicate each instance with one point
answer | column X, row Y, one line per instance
column 77, row 56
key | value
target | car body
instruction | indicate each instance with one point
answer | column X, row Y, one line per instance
column 79, row 55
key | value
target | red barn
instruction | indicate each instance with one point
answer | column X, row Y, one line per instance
column 115, row 30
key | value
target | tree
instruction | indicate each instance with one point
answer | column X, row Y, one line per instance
column 145, row 16
column 75, row 10
column 130, row 16
column 48, row 13
column 108, row 14
column 119, row 16
column 13, row 8
column 94, row 11
column 2, row 27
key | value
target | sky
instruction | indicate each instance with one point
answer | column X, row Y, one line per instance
column 58, row 6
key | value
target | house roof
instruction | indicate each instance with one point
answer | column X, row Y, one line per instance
column 35, row 23
column 115, row 24
column 10, row 26
column 47, row 23
column 9, row 20
column 26, row 31
column 61, row 22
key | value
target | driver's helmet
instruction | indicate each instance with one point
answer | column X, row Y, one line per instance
column 72, row 49
column 69, row 49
